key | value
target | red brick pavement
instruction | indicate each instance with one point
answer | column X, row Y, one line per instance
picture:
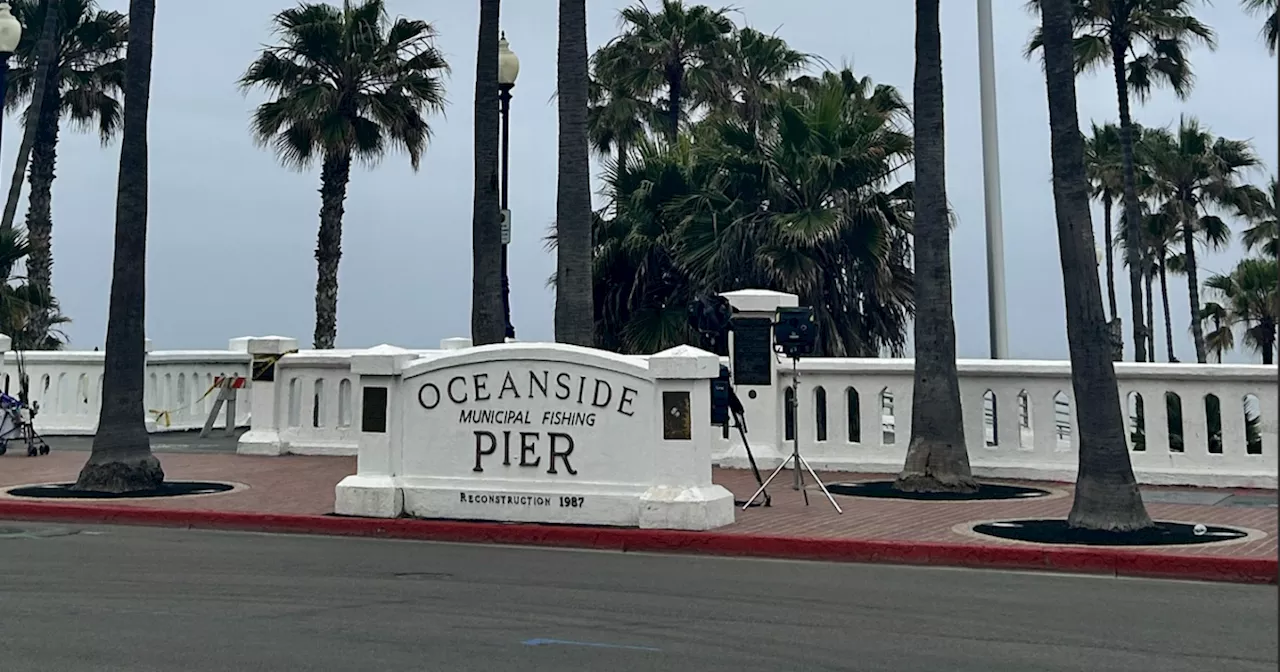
column 304, row 485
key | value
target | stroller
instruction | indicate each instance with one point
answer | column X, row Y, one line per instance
column 15, row 425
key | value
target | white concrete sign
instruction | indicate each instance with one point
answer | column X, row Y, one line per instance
column 537, row 433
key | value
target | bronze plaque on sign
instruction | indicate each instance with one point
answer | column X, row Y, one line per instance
column 676, row 416
column 752, row 351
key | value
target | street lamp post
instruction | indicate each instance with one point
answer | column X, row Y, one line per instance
column 508, row 70
column 10, row 35
column 997, row 315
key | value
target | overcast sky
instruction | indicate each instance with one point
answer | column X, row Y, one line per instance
column 232, row 234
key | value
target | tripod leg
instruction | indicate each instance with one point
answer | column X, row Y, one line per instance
column 742, row 431
column 767, row 481
column 820, row 484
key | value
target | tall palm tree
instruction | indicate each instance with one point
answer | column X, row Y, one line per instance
column 1161, row 240
column 82, row 86
column 1145, row 43
column 121, row 460
column 488, row 323
column 1103, row 164
column 937, row 457
column 1271, row 25
column 346, row 84
column 1106, row 492
column 1196, row 173
column 1249, row 299
column 574, row 317
column 677, row 51
column 46, row 51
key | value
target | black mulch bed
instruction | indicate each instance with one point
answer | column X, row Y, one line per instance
column 1056, row 532
column 986, row 491
column 169, row 489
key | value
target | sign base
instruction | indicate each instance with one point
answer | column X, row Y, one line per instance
column 658, row 507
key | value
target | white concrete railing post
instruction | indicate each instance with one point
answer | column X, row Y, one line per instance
column 373, row 490
column 686, row 498
column 761, row 402
column 263, row 437
column 150, row 420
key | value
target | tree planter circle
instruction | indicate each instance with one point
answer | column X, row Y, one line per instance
column 168, row 489
column 985, row 492
column 1055, row 531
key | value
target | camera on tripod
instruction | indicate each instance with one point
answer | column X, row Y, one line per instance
column 795, row 333
column 712, row 317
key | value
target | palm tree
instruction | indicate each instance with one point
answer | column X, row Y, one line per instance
column 46, row 51
column 19, row 302
column 574, row 322
column 1249, row 299
column 121, row 460
column 1195, row 173
column 1161, row 236
column 1145, row 42
column 1106, row 492
column 488, row 322
column 1271, row 26
column 1263, row 212
column 82, row 86
column 1103, row 164
column 617, row 116
column 346, row 84
column 677, row 51
column 937, row 458
column 810, row 207
column 757, row 67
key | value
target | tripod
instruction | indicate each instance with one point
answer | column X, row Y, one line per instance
column 796, row 459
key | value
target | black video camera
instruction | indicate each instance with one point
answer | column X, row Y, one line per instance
column 795, row 333
column 712, row 316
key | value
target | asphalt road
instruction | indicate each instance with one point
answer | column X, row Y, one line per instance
column 138, row 600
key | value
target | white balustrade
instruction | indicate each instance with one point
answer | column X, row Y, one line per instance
column 312, row 407
column 1020, row 422
column 67, row 385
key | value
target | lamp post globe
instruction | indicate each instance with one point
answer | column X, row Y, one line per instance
column 10, row 30
column 10, row 36
column 508, row 70
column 508, row 63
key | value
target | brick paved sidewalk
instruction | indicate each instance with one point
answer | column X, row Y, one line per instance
column 305, row 485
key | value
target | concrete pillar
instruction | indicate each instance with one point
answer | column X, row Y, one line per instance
column 265, row 409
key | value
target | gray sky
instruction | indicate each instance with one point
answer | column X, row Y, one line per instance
column 232, row 234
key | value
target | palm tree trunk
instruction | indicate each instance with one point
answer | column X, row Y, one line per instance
column 1132, row 207
column 1110, row 257
column 44, row 158
column 675, row 98
column 1193, row 285
column 1106, row 493
column 937, row 457
column 1168, row 319
column 121, row 460
column 575, row 307
column 334, row 176
column 623, row 147
column 1148, row 280
column 487, row 322
column 46, row 53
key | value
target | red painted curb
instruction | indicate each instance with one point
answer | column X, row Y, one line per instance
column 1075, row 560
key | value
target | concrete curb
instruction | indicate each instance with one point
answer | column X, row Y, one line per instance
column 1074, row 560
